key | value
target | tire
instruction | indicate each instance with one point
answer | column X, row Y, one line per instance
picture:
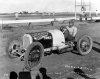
column 10, row 50
column 33, row 63
column 84, row 47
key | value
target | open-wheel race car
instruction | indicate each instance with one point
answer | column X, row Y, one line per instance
column 32, row 47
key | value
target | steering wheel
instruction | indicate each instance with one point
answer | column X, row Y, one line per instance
column 63, row 29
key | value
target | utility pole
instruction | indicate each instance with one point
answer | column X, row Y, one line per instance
column 75, row 9
column 83, row 7
column 90, row 8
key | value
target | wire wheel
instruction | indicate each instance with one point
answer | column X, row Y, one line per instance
column 14, row 46
column 33, row 55
column 84, row 45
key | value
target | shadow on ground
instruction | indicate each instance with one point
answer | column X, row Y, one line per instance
column 95, row 48
column 82, row 74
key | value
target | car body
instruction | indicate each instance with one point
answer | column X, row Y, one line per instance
column 51, row 38
column 32, row 47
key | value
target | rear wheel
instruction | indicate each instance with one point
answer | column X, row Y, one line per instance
column 84, row 45
column 34, row 55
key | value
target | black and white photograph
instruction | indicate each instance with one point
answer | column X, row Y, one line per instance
column 49, row 39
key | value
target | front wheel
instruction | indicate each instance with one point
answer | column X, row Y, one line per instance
column 34, row 55
column 84, row 45
column 13, row 47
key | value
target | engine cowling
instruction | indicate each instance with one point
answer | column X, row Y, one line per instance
column 51, row 38
column 58, row 37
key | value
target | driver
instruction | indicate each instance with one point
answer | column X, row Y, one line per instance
column 70, row 31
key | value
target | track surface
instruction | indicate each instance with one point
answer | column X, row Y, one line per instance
column 59, row 66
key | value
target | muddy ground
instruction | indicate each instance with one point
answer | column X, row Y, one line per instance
column 59, row 66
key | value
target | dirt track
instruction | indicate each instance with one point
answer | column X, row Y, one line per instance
column 62, row 68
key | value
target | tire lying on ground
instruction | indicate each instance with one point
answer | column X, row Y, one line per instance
column 84, row 45
column 34, row 55
column 13, row 47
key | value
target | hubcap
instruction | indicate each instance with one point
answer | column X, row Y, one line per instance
column 84, row 46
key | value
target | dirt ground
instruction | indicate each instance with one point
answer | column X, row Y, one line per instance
column 63, row 68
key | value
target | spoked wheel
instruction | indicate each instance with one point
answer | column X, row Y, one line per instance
column 84, row 45
column 14, row 47
column 33, row 55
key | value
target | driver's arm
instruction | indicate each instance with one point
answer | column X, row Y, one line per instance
column 74, row 31
column 64, row 30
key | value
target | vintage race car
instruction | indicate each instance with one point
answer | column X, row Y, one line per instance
column 32, row 47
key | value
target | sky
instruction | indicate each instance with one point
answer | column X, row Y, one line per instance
column 8, row 6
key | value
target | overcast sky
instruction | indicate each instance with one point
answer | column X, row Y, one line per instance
column 43, row 5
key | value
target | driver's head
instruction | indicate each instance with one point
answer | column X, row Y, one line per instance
column 71, row 23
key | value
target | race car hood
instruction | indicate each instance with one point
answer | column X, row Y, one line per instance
column 58, row 37
column 56, row 40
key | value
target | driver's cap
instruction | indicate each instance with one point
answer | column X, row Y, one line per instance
column 71, row 21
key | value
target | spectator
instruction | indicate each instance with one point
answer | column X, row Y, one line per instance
column 16, row 15
column 85, row 17
column 13, row 75
column 43, row 72
column 36, row 74
column 25, row 75
column 96, row 13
